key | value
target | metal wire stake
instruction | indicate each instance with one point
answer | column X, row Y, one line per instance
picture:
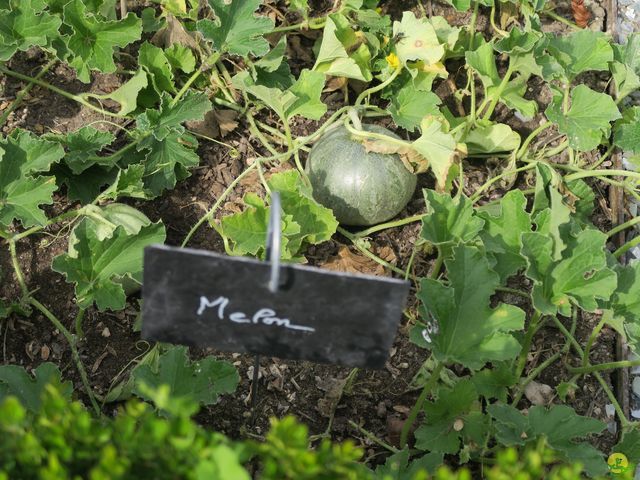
column 272, row 255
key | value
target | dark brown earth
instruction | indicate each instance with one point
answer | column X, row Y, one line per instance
column 378, row 401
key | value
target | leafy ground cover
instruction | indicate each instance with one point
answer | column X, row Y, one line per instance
column 130, row 124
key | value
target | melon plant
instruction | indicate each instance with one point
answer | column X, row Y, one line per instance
column 362, row 188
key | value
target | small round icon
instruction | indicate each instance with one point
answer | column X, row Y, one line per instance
column 618, row 463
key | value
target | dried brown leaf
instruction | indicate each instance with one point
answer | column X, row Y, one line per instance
column 172, row 33
column 539, row 393
column 348, row 261
column 227, row 120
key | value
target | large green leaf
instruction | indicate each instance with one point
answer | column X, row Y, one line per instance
column 307, row 90
column 468, row 331
column 202, row 381
column 82, row 147
column 97, row 267
column 169, row 152
column 588, row 118
column 402, row 466
column 449, row 221
column 419, row 40
column 439, row 147
column 317, row 223
column 625, row 303
column 25, row 26
column 236, row 28
column 93, row 41
column 105, row 219
column 518, row 41
column 342, row 53
column 560, row 426
column 169, row 116
column 625, row 67
column 302, row 98
column 626, row 132
column 126, row 94
column 304, row 220
column 31, row 153
column 580, row 277
column 14, row 380
column 409, row 106
column 578, row 52
column 166, row 160
column 453, row 417
column 493, row 138
column 482, row 60
column 247, row 230
column 550, row 211
column 128, row 183
column 502, row 233
column 22, row 155
column 154, row 61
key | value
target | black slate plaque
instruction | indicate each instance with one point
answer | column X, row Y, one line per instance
column 201, row 298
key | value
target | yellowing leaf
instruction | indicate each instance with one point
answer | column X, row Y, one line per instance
column 439, row 148
column 417, row 40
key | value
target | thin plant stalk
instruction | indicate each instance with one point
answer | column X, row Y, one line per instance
column 417, row 407
column 23, row 93
column 59, row 91
column 74, row 350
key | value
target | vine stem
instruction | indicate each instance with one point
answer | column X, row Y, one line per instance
column 72, row 213
column 186, row 87
column 549, row 361
column 525, row 145
column 377, row 136
column 218, row 202
column 492, row 19
column 259, row 135
column 371, row 255
column 386, row 225
column 18, row 100
column 59, row 91
column 627, row 246
column 603, row 366
column 555, row 16
column 526, row 343
column 233, row 150
column 330, row 121
column 513, row 291
column 472, row 23
column 478, row 193
column 533, row 375
column 312, row 24
column 373, row 437
column 592, row 338
column 378, row 87
column 437, row 265
column 17, row 269
column 496, row 95
column 413, row 414
column 612, row 398
column 604, row 156
column 78, row 323
column 74, row 350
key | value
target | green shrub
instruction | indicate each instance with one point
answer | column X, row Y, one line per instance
column 62, row 440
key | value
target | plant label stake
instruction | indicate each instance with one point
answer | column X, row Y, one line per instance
column 205, row 299
column 274, row 232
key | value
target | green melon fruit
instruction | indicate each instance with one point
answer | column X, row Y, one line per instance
column 362, row 188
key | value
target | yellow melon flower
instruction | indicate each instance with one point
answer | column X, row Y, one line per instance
column 393, row 60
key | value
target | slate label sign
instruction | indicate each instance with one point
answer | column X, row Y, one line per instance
column 204, row 299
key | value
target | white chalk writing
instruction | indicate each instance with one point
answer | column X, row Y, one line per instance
column 264, row 316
